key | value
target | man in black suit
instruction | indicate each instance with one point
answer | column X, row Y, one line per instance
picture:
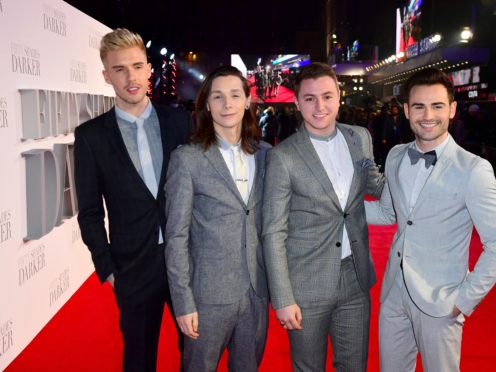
column 121, row 158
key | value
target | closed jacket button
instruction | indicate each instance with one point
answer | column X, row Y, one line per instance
column 338, row 244
column 409, row 222
column 399, row 254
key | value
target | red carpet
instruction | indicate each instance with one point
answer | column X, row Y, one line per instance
column 84, row 335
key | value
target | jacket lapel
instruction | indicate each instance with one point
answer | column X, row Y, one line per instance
column 307, row 152
column 437, row 174
column 215, row 158
column 117, row 144
column 356, row 151
column 259, row 176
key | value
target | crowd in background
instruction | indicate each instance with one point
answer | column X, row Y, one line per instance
column 473, row 127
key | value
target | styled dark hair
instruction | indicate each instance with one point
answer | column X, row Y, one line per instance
column 204, row 133
column 429, row 76
column 313, row 71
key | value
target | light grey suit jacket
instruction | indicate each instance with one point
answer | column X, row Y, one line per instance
column 433, row 240
column 303, row 220
column 213, row 249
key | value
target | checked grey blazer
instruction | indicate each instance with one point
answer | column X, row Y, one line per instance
column 213, row 248
column 303, row 220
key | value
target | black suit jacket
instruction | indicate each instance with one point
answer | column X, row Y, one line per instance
column 104, row 171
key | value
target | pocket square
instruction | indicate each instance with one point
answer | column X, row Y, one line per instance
column 365, row 163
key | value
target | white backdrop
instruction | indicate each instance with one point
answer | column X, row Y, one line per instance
column 44, row 46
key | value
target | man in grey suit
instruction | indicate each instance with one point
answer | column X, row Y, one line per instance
column 213, row 252
column 315, row 236
column 436, row 192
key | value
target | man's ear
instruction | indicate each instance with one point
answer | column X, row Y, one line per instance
column 106, row 77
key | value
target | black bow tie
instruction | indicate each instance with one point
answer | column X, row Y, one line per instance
column 430, row 157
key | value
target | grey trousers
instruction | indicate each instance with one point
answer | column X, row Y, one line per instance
column 404, row 330
column 345, row 318
column 240, row 327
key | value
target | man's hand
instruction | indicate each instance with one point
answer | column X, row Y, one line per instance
column 189, row 325
column 290, row 317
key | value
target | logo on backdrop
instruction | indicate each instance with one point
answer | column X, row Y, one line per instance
column 5, row 225
column 94, row 38
column 54, row 20
column 78, row 72
column 6, row 335
column 4, row 122
column 31, row 264
column 25, row 60
column 59, row 286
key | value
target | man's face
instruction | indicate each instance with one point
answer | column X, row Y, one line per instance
column 127, row 71
column 226, row 103
column 429, row 112
column 318, row 102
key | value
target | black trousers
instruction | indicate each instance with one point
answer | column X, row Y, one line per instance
column 140, row 321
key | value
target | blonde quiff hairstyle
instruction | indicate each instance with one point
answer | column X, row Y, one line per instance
column 120, row 38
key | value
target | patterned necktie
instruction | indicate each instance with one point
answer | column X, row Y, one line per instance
column 146, row 158
column 240, row 173
column 430, row 157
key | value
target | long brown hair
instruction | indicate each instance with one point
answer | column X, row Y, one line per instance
column 204, row 133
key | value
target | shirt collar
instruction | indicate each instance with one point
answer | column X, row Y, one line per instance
column 123, row 115
column 439, row 148
column 224, row 145
column 323, row 138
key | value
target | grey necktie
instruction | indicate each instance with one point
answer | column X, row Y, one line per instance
column 147, row 164
column 240, row 173
column 146, row 158
column 430, row 157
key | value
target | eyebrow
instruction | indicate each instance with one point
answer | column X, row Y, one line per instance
column 313, row 95
column 134, row 64
column 423, row 104
column 220, row 91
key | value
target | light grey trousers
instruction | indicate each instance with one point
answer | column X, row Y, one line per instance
column 404, row 330
column 240, row 327
column 345, row 318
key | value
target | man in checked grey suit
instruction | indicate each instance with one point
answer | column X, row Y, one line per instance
column 315, row 236
column 213, row 251
column 436, row 192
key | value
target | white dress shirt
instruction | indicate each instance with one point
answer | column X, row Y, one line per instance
column 335, row 156
column 412, row 177
column 225, row 149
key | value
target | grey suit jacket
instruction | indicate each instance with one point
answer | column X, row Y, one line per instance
column 303, row 220
column 213, row 250
column 433, row 240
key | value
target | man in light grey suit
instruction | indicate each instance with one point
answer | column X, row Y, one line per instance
column 436, row 192
column 213, row 252
column 315, row 236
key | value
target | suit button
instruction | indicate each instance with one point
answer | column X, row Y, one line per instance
column 399, row 254
column 345, row 215
column 247, row 212
column 409, row 223
column 338, row 244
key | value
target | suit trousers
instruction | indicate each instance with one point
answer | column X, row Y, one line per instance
column 345, row 318
column 240, row 327
column 404, row 330
column 140, row 322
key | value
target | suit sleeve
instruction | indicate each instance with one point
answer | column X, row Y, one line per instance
column 276, row 205
column 91, row 217
column 481, row 203
column 179, row 196
column 375, row 180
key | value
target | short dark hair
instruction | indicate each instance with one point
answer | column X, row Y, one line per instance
column 205, row 133
column 314, row 70
column 429, row 76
